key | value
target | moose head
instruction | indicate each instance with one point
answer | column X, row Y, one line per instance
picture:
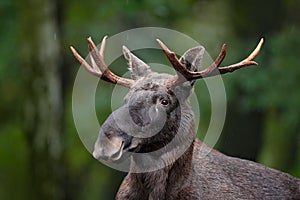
column 156, row 109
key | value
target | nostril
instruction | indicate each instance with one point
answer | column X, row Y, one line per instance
column 126, row 140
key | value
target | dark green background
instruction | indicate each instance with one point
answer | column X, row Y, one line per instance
column 41, row 155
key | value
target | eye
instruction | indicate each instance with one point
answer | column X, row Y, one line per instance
column 164, row 102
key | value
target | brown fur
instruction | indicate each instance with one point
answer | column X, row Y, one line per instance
column 215, row 176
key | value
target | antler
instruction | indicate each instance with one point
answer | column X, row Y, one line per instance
column 183, row 74
column 99, row 68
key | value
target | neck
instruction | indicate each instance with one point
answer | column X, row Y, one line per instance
column 155, row 183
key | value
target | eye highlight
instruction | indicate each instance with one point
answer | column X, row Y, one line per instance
column 164, row 101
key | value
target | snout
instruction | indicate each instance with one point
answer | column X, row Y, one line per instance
column 109, row 149
column 113, row 140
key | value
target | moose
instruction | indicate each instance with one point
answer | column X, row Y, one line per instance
column 157, row 112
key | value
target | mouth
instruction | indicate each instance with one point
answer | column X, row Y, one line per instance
column 126, row 147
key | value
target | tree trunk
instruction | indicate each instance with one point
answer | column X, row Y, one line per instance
column 41, row 59
column 278, row 139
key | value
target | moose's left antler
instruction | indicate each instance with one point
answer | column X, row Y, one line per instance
column 183, row 74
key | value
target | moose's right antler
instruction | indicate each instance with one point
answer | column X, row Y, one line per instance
column 183, row 74
column 99, row 68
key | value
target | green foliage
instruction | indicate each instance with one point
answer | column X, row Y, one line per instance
column 14, row 163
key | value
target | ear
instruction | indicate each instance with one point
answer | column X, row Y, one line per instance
column 193, row 58
column 136, row 66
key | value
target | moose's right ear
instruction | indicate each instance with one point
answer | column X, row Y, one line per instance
column 136, row 66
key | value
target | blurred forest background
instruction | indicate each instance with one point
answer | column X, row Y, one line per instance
column 41, row 155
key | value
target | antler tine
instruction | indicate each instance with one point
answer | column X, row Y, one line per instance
column 96, row 55
column 177, row 65
column 84, row 63
column 101, row 52
column 99, row 68
column 212, row 69
column 246, row 62
column 256, row 50
column 103, row 44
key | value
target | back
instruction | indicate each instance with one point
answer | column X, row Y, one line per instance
column 217, row 176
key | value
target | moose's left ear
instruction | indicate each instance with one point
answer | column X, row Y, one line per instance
column 136, row 66
column 193, row 58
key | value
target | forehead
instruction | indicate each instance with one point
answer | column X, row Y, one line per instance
column 153, row 81
column 152, row 84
